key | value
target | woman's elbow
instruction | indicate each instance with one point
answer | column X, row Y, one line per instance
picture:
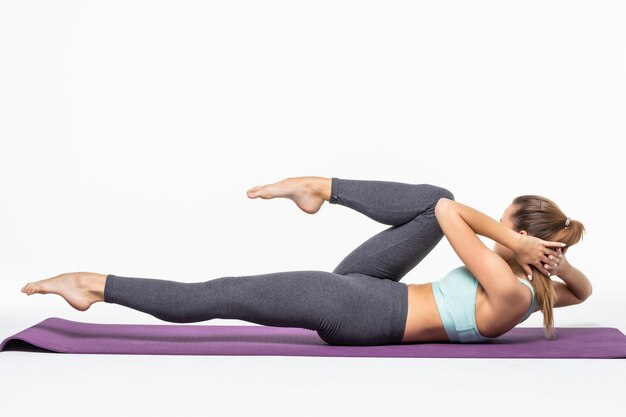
column 588, row 293
column 443, row 203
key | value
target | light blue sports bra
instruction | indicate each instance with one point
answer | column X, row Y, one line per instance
column 455, row 295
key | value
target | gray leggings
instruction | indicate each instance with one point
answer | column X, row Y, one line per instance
column 361, row 302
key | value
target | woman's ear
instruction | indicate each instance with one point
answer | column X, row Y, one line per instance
column 522, row 232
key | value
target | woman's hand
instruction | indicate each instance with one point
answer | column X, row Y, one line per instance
column 531, row 250
column 558, row 265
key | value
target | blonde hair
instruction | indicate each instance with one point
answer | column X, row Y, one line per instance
column 541, row 217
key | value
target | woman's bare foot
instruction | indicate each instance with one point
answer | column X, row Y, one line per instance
column 309, row 193
column 79, row 289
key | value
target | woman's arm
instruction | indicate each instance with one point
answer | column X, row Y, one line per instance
column 486, row 226
column 528, row 250
column 576, row 281
column 461, row 223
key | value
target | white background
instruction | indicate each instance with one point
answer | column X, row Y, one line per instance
column 130, row 131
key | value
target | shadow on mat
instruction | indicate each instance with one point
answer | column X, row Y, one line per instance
column 22, row 346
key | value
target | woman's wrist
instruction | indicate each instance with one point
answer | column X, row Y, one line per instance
column 513, row 239
column 566, row 271
column 577, row 282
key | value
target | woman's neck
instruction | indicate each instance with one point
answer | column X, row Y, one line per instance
column 517, row 269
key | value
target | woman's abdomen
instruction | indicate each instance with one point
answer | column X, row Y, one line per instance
column 423, row 321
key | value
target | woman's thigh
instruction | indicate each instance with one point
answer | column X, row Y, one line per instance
column 375, row 313
column 392, row 253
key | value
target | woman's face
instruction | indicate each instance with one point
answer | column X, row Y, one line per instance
column 501, row 250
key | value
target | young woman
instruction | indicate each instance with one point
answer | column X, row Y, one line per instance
column 363, row 302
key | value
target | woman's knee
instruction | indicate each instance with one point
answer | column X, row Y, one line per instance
column 435, row 193
column 442, row 192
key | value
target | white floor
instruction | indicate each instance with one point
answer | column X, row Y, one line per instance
column 109, row 385
column 49, row 384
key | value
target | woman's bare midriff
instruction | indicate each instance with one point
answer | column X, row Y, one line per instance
column 423, row 322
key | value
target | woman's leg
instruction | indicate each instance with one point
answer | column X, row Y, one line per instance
column 409, row 208
column 344, row 310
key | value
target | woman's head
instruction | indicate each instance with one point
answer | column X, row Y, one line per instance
column 542, row 218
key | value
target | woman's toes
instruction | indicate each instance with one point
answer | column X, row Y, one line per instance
column 252, row 192
column 35, row 287
column 40, row 288
column 263, row 191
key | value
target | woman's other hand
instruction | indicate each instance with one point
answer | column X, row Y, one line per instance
column 531, row 250
column 557, row 265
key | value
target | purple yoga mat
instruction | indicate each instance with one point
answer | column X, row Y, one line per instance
column 65, row 336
